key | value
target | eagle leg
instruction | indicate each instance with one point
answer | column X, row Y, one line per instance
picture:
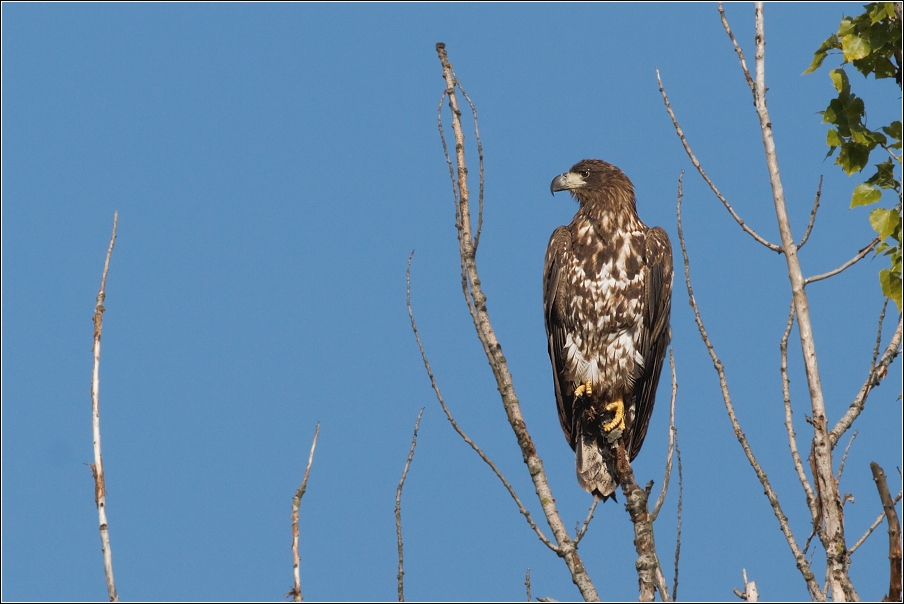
column 618, row 408
column 586, row 389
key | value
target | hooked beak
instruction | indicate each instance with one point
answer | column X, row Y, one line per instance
column 566, row 182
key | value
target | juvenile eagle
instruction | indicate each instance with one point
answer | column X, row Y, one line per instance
column 607, row 292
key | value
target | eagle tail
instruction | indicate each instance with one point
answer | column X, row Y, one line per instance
column 593, row 470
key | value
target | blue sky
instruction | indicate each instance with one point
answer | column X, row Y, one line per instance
column 273, row 167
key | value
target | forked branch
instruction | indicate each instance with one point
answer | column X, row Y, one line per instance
column 476, row 299
column 802, row 564
column 97, row 468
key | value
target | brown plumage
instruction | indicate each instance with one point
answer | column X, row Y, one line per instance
column 607, row 291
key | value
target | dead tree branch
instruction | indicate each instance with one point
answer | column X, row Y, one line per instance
column 477, row 305
column 296, row 505
column 874, row 525
column 815, row 204
column 693, row 158
column 789, row 424
column 860, row 256
column 750, row 593
column 672, row 435
column 97, row 468
column 877, row 373
column 894, row 534
column 648, row 569
column 827, row 491
column 461, row 432
column 680, row 509
column 527, row 584
column 799, row 557
column 398, row 506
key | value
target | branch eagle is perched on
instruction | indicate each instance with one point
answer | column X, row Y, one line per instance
column 607, row 297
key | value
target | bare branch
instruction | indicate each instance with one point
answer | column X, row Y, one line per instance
column 844, row 457
column 668, row 463
column 750, row 593
column 799, row 557
column 873, row 526
column 879, row 333
column 680, row 506
column 738, row 50
column 648, row 567
column 894, row 534
column 789, row 426
column 878, row 372
column 812, row 215
column 97, row 468
column 860, row 256
column 564, row 547
column 693, row 158
column 398, row 505
column 480, row 163
column 296, row 505
column 833, row 535
column 527, row 584
column 455, row 426
column 580, row 533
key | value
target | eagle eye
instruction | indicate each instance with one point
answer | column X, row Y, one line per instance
column 585, row 173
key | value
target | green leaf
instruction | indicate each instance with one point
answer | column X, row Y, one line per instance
column 864, row 195
column 861, row 135
column 840, row 81
column 853, row 158
column 834, row 113
column 884, row 221
column 845, row 27
column 820, row 55
column 885, row 176
column 832, row 138
column 894, row 130
column 854, row 47
column 891, row 286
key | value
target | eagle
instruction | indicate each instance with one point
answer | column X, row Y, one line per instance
column 607, row 297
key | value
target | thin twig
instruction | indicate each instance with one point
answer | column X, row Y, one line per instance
column 878, row 372
column 860, row 256
column 693, row 158
column 527, row 584
column 480, row 163
column 872, row 364
column 873, row 526
column 799, row 557
column 296, row 505
column 477, row 305
column 672, row 432
column 398, row 506
column 97, row 468
column 894, row 534
column 738, row 50
column 812, row 215
column 789, row 425
column 844, row 457
column 583, row 530
column 680, row 509
column 455, row 426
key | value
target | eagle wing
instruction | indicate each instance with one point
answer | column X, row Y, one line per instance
column 557, row 254
column 656, row 332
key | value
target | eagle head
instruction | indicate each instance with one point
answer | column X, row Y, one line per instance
column 590, row 179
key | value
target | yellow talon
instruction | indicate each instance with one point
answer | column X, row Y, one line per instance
column 617, row 407
column 585, row 388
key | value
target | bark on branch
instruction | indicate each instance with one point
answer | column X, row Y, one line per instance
column 477, row 304
column 894, row 534
column 97, row 468
column 296, row 505
column 398, row 506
